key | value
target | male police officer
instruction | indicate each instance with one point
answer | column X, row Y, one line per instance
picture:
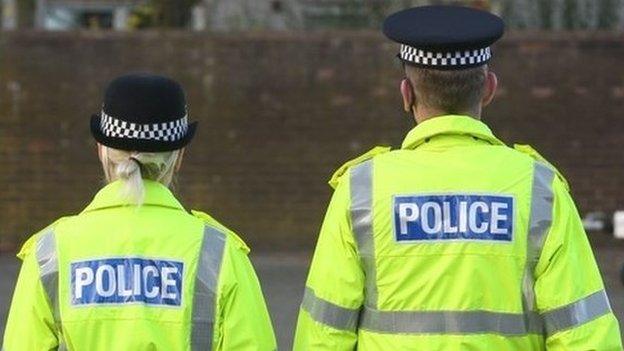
column 134, row 270
column 454, row 242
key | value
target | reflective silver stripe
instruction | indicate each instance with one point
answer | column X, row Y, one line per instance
column 540, row 220
column 48, row 269
column 206, row 284
column 450, row 322
column 362, row 222
column 329, row 313
column 577, row 313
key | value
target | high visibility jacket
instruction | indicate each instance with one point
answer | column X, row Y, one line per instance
column 454, row 242
column 121, row 277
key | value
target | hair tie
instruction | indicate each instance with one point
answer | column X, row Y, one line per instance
column 132, row 158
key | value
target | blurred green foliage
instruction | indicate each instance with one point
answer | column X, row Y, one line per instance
column 162, row 13
column 25, row 13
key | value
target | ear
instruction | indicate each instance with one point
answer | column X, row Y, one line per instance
column 178, row 163
column 408, row 95
column 100, row 148
column 491, row 84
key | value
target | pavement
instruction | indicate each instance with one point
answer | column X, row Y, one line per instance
column 283, row 277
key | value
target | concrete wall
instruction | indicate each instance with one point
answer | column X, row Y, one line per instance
column 279, row 112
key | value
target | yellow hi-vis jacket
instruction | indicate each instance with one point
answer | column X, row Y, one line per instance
column 454, row 242
column 121, row 277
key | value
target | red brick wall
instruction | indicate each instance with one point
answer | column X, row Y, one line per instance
column 279, row 112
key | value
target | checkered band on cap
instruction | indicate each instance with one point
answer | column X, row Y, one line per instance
column 166, row 131
column 458, row 59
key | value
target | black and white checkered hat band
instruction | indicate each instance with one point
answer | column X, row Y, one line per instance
column 167, row 131
column 464, row 58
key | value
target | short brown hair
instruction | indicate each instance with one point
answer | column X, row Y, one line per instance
column 453, row 92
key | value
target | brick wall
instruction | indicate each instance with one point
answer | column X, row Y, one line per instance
column 279, row 112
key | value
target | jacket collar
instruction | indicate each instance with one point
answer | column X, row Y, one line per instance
column 449, row 125
column 156, row 194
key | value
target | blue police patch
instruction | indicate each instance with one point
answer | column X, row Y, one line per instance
column 453, row 217
column 127, row 280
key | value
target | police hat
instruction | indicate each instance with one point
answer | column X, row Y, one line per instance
column 143, row 112
column 444, row 37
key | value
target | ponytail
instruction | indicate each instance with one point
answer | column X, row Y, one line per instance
column 129, row 172
column 132, row 167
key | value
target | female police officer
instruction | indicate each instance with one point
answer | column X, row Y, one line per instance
column 134, row 270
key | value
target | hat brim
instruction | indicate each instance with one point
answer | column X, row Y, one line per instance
column 140, row 144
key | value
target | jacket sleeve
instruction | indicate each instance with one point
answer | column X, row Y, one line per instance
column 244, row 323
column 569, row 290
column 334, row 291
column 30, row 325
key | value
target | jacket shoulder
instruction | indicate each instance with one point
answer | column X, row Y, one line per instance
column 535, row 155
column 30, row 244
column 209, row 220
column 342, row 170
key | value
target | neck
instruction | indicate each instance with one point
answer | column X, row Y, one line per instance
column 423, row 113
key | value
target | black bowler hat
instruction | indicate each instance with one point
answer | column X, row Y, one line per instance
column 444, row 37
column 143, row 112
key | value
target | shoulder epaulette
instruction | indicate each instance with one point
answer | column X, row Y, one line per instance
column 208, row 219
column 529, row 150
column 377, row 150
column 30, row 243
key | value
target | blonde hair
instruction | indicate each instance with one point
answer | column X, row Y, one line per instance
column 131, row 167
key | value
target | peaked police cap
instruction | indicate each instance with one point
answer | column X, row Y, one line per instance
column 444, row 37
column 143, row 112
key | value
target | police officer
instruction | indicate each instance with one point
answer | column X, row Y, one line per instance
column 455, row 241
column 134, row 270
